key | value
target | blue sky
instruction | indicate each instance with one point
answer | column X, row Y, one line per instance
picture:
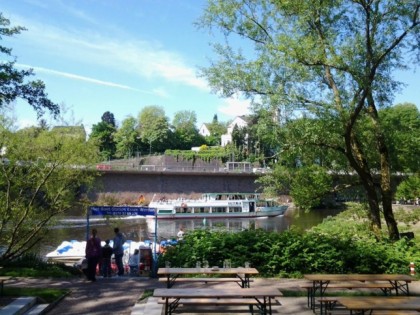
column 120, row 56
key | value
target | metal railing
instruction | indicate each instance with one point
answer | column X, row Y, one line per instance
column 175, row 168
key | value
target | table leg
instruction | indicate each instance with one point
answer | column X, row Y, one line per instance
column 400, row 287
column 245, row 283
column 170, row 280
column 166, row 306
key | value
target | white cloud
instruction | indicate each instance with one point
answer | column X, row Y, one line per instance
column 235, row 106
column 142, row 58
column 81, row 78
column 25, row 123
column 161, row 92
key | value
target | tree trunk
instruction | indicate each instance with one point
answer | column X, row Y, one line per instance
column 374, row 209
column 386, row 192
column 356, row 158
column 385, row 181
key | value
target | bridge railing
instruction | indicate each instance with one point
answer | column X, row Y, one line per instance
column 170, row 168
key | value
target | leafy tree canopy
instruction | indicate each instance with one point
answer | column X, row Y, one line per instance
column 126, row 138
column 108, row 118
column 102, row 136
column 333, row 60
column 42, row 176
column 401, row 125
column 14, row 84
column 154, row 126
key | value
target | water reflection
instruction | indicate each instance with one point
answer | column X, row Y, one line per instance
column 140, row 229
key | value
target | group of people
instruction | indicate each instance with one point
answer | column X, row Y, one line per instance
column 96, row 254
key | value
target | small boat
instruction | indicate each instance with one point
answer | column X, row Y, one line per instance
column 218, row 205
column 70, row 252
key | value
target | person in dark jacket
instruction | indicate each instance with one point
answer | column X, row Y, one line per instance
column 93, row 253
column 119, row 241
column 106, row 259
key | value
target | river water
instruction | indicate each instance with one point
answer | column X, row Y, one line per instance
column 143, row 228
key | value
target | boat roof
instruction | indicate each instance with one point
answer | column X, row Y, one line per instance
column 247, row 195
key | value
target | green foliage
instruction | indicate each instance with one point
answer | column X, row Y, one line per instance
column 43, row 178
column 305, row 58
column 14, row 83
column 102, row 136
column 309, row 185
column 47, row 295
column 154, row 127
column 409, row 189
column 339, row 245
column 401, row 125
column 31, row 265
column 127, row 138
column 277, row 182
column 208, row 154
column 186, row 134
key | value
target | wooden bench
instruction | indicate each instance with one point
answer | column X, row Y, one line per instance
column 309, row 288
column 386, row 287
column 330, row 302
column 207, row 280
column 396, row 312
column 207, row 298
column 203, row 302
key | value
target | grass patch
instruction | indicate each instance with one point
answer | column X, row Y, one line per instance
column 146, row 294
column 47, row 295
column 50, row 271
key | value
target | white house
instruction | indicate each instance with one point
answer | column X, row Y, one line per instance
column 240, row 122
column 204, row 130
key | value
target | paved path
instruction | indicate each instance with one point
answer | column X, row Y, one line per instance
column 105, row 296
column 119, row 295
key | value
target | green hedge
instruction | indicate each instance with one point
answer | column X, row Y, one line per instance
column 293, row 253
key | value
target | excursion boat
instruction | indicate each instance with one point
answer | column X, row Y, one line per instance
column 218, row 205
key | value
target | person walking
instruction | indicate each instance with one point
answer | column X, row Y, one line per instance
column 93, row 253
column 119, row 241
column 180, row 234
column 106, row 259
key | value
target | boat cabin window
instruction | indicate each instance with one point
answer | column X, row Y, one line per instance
column 235, row 209
column 183, row 209
column 201, row 210
column 219, row 209
column 261, row 203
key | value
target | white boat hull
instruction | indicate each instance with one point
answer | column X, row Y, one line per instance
column 273, row 213
column 218, row 205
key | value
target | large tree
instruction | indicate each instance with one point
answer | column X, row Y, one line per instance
column 127, row 138
column 42, row 176
column 103, row 135
column 185, row 131
column 332, row 59
column 14, row 84
column 402, row 130
column 154, row 127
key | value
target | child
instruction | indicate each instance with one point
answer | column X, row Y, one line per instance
column 134, row 262
column 106, row 259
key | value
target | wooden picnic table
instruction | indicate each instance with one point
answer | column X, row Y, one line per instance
column 241, row 274
column 367, row 304
column 386, row 282
column 261, row 297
